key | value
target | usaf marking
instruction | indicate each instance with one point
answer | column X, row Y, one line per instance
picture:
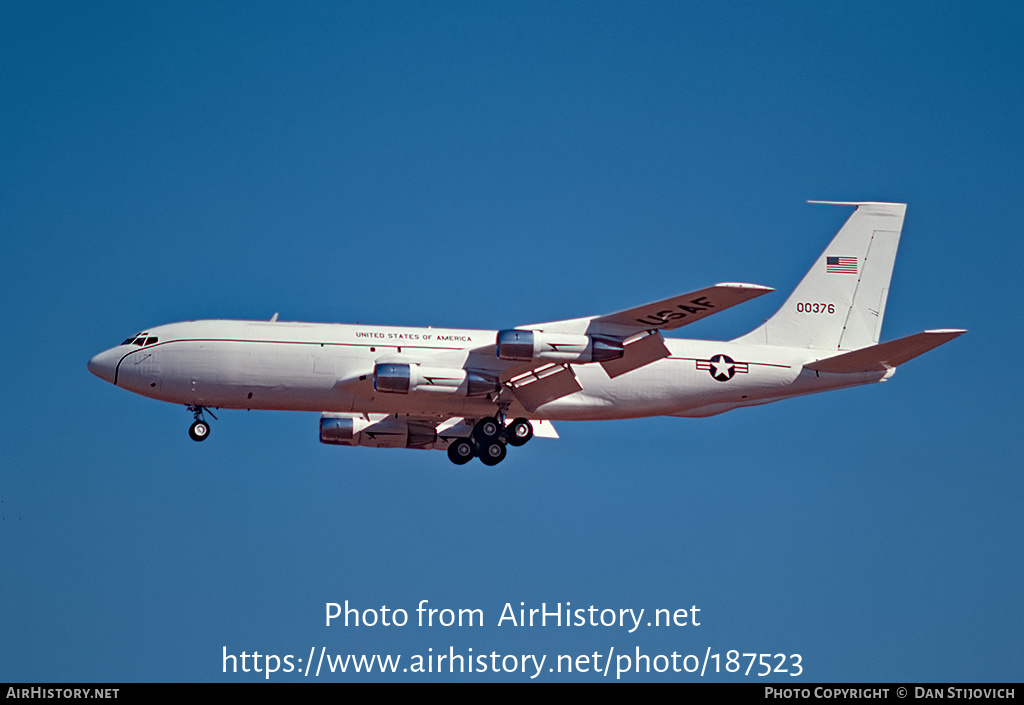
column 660, row 318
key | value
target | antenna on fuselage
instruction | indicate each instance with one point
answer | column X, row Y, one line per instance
column 273, row 318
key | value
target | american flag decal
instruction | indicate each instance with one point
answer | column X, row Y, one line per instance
column 841, row 265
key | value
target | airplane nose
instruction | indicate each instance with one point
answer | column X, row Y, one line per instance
column 103, row 365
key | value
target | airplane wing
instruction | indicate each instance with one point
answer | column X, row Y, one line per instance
column 637, row 330
column 543, row 384
column 666, row 314
column 878, row 358
column 680, row 310
column 638, row 350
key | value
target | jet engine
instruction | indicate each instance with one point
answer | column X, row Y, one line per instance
column 397, row 378
column 376, row 431
column 529, row 345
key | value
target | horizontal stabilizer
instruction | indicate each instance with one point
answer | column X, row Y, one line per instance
column 685, row 308
column 878, row 358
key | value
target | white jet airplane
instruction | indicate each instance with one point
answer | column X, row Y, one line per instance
column 473, row 392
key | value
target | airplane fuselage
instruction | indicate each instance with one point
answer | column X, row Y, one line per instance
column 317, row 367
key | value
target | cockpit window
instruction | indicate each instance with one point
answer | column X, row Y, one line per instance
column 140, row 339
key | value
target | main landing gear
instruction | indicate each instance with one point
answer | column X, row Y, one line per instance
column 488, row 441
column 200, row 429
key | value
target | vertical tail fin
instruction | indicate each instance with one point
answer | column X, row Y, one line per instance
column 840, row 302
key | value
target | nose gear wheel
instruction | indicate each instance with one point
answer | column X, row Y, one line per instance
column 200, row 429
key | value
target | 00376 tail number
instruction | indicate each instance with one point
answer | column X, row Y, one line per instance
column 815, row 308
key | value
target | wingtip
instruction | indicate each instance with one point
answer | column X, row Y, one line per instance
column 742, row 285
column 859, row 203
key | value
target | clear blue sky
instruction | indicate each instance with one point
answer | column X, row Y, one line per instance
column 488, row 165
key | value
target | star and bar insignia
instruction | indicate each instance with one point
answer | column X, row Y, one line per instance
column 722, row 367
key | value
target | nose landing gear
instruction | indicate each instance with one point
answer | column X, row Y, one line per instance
column 200, row 429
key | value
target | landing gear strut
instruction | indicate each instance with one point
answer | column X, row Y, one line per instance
column 200, row 429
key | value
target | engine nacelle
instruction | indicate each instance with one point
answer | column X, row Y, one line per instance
column 529, row 345
column 398, row 378
column 376, row 432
